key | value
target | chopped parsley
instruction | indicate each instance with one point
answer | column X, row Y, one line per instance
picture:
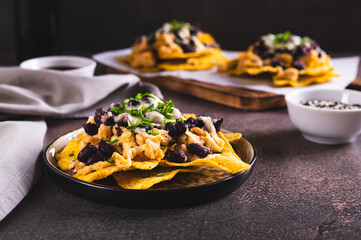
column 110, row 160
column 216, row 152
column 71, row 154
column 160, row 175
column 113, row 141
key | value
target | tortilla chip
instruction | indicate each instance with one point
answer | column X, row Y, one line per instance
column 316, row 71
column 305, row 80
column 99, row 174
column 205, row 37
column 69, row 152
column 232, row 136
column 227, row 160
column 139, row 179
column 203, row 62
column 144, row 163
column 175, row 55
column 254, row 70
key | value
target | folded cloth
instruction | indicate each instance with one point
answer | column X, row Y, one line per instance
column 47, row 94
column 20, row 144
column 28, row 92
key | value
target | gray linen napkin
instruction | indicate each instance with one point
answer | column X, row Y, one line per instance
column 20, row 144
column 28, row 92
column 47, row 94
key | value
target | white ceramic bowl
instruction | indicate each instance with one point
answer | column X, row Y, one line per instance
column 76, row 65
column 326, row 126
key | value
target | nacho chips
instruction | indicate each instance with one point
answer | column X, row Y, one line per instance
column 175, row 46
column 290, row 59
column 144, row 136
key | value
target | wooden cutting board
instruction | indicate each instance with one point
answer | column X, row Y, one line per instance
column 239, row 98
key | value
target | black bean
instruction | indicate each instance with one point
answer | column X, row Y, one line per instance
column 301, row 51
column 277, row 62
column 96, row 157
column 146, row 128
column 200, row 123
column 181, row 128
column 105, row 149
column 298, row 64
column 198, row 149
column 123, row 122
column 91, row 128
column 133, row 103
column 86, row 152
column 265, row 54
column 177, row 156
column 187, row 48
column 217, row 123
column 315, row 45
column 99, row 111
column 190, row 123
column 171, row 128
column 108, row 120
column 98, row 119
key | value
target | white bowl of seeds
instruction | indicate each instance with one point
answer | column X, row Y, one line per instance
column 326, row 116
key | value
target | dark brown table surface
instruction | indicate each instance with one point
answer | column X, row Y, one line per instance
column 298, row 190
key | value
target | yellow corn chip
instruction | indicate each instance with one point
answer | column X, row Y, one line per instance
column 144, row 163
column 254, row 70
column 65, row 157
column 305, row 80
column 138, row 179
column 232, row 136
column 99, row 174
column 203, row 62
column 227, row 160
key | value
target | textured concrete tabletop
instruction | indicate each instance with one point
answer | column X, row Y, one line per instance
column 298, row 190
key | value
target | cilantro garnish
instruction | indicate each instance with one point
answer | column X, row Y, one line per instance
column 160, row 174
column 71, row 154
column 110, row 160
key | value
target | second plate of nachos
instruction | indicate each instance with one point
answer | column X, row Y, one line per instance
column 290, row 59
column 174, row 46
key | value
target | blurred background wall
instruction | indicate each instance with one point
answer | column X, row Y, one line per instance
column 91, row 26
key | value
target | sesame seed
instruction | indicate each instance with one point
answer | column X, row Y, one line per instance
column 331, row 104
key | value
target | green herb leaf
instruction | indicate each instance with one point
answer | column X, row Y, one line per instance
column 216, row 152
column 113, row 141
column 71, row 154
column 110, row 160
column 160, row 174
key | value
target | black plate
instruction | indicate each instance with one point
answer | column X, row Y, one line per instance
column 147, row 198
